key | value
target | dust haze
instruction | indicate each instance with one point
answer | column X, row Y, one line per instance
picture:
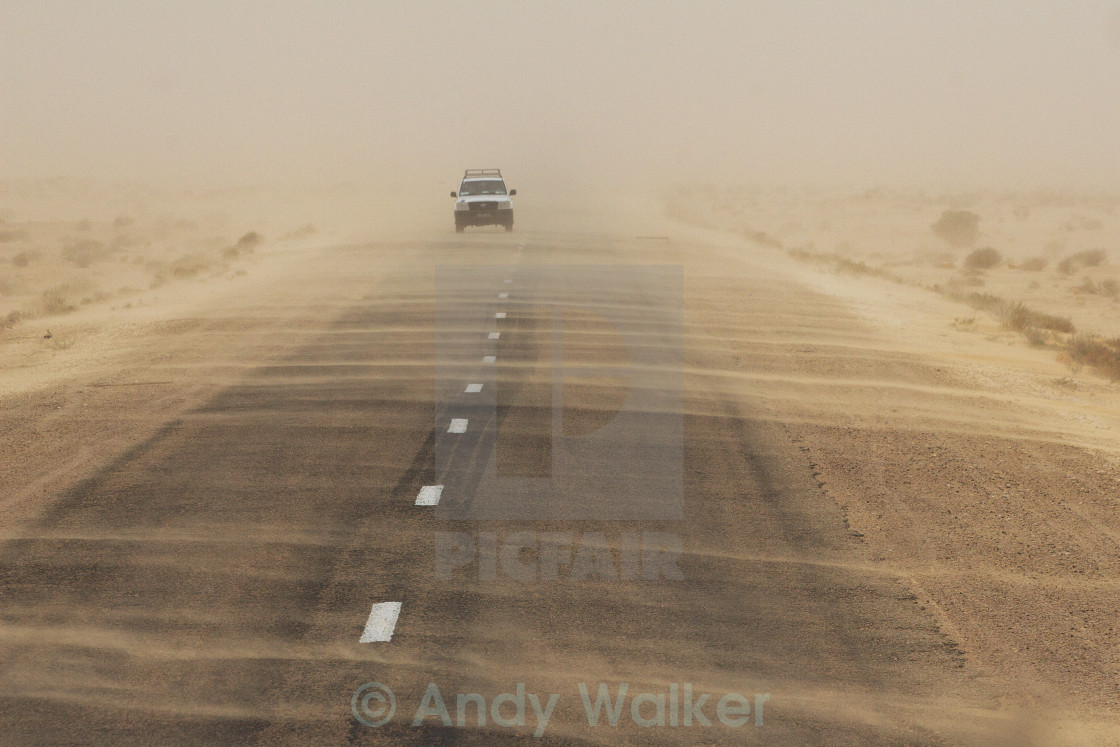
column 899, row 227
column 567, row 97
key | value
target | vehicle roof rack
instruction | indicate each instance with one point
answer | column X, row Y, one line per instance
column 481, row 172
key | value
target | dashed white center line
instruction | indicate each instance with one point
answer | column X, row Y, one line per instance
column 503, row 295
column 381, row 623
column 473, row 388
column 458, row 425
column 489, row 359
column 500, row 315
column 494, row 335
column 429, row 495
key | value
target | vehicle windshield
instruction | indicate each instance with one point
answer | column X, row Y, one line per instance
column 482, row 187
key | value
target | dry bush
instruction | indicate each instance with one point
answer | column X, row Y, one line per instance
column 85, row 252
column 1036, row 337
column 247, row 242
column 302, row 232
column 958, row 227
column 1100, row 354
column 807, row 256
column 1108, row 287
column 57, row 300
column 1087, row 258
column 10, row 320
column 982, row 301
column 23, row 259
column 760, row 237
column 189, row 265
column 1049, row 321
column 983, row 259
column 1034, row 264
column 1087, row 286
column 7, row 236
column 1015, row 314
column 849, row 267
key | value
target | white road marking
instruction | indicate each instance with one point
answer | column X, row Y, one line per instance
column 489, row 359
column 381, row 623
column 473, row 388
column 503, row 295
column 429, row 495
column 458, row 425
column 508, row 281
column 494, row 335
column 500, row 315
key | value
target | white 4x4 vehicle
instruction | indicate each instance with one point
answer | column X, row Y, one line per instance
column 483, row 200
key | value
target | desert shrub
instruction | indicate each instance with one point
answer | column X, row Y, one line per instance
column 23, row 259
column 1034, row 264
column 245, row 244
column 982, row 259
column 1036, row 337
column 249, row 240
column 11, row 320
column 1087, row 286
column 1049, row 321
column 957, row 227
column 1015, row 314
column 1091, row 351
column 189, row 265
column 302, row 232
column 846, row 265
column 983, row 301
column 56, row 300
column 1108, row 287
column 1087, row 258
column 85, row 252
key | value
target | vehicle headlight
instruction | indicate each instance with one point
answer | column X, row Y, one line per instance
column 462, row 205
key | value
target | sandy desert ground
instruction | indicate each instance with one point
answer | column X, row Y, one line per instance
column 989, row 482
column 973, row 462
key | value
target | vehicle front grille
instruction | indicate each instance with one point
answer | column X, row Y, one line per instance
column 484, row 205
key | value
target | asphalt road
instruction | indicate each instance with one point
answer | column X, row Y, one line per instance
column 612, row 514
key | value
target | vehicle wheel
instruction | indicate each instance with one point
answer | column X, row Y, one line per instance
column 459, row 228
column 509, row 227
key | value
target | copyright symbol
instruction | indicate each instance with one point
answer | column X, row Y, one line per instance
column 373, row 704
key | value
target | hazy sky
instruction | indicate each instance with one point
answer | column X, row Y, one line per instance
column 1005, row 92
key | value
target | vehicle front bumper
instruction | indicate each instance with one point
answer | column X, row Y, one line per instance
column 483, row 217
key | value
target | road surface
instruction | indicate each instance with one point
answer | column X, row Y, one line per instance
column 233, row 577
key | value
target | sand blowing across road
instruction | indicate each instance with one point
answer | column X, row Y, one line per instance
column 893, row 526
column 560, row 373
